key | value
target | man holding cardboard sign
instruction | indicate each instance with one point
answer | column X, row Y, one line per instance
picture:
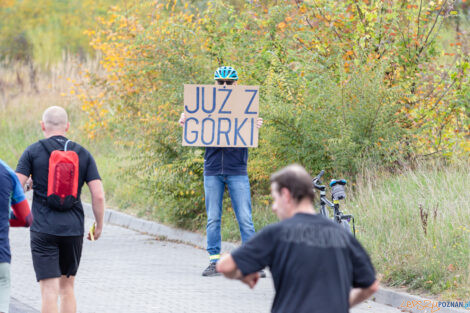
column 223, row 118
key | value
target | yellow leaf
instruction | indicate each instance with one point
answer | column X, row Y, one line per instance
column 282, row 25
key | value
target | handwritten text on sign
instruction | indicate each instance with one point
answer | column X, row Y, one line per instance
column 221, row 116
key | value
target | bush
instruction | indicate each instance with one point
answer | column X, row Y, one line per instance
column 334, row 92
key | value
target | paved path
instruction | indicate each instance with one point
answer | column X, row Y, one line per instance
column 125, row 271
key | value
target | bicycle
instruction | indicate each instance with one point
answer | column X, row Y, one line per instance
column 337, row 193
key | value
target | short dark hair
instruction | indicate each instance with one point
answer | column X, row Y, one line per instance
column 295, row 179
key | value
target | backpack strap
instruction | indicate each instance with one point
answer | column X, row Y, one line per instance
column 72, row 146
column 66, row 143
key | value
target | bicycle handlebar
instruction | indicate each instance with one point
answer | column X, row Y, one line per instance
column 316, row 181
column 319, row 176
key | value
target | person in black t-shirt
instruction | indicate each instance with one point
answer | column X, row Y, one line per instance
column 315, row 263
column 57, row 236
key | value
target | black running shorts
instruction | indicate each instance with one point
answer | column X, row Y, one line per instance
column 54, row 256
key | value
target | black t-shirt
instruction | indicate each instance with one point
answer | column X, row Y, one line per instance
column 314, row 264
column 35, row 162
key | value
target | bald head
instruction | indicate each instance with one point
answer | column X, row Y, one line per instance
column 55, row 119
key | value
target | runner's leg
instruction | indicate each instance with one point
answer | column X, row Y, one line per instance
column 68, row 304
column 50, row 295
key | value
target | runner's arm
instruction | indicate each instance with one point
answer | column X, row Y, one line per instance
column 97, row 203
column 22, row 216
column 229, row 269
column 23, row 178
column 227, row 266
column 357, row 295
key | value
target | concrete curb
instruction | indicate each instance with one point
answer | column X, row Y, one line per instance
column 411, row 303
column 401, row 300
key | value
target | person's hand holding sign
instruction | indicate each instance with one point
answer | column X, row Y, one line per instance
column 182, row 120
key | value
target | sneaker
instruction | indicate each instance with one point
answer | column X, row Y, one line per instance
column 262, row 274
column 210, row 270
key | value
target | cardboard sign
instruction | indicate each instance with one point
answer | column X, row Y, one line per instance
column 221, row 116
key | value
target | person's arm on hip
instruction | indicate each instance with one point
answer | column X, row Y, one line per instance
column 97, row 203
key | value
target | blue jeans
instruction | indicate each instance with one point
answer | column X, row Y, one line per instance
column 239, row 189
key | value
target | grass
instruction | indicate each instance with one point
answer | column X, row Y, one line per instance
column 416, row 226
column 429, row 254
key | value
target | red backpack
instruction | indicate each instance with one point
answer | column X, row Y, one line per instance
column 62, row 182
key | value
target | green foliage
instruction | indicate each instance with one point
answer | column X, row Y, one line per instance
column 41, row 31
column 326, row 125
column 342, row 84
column 181, row 183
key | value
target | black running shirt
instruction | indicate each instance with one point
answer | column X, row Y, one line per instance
column 35, row 162
column 314, row 264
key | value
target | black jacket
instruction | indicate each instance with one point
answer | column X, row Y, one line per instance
column 225, row 161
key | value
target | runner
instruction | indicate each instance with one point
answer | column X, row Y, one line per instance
column 225, row 167
column 11, row 194
column 314, row 262
column 57, row 230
